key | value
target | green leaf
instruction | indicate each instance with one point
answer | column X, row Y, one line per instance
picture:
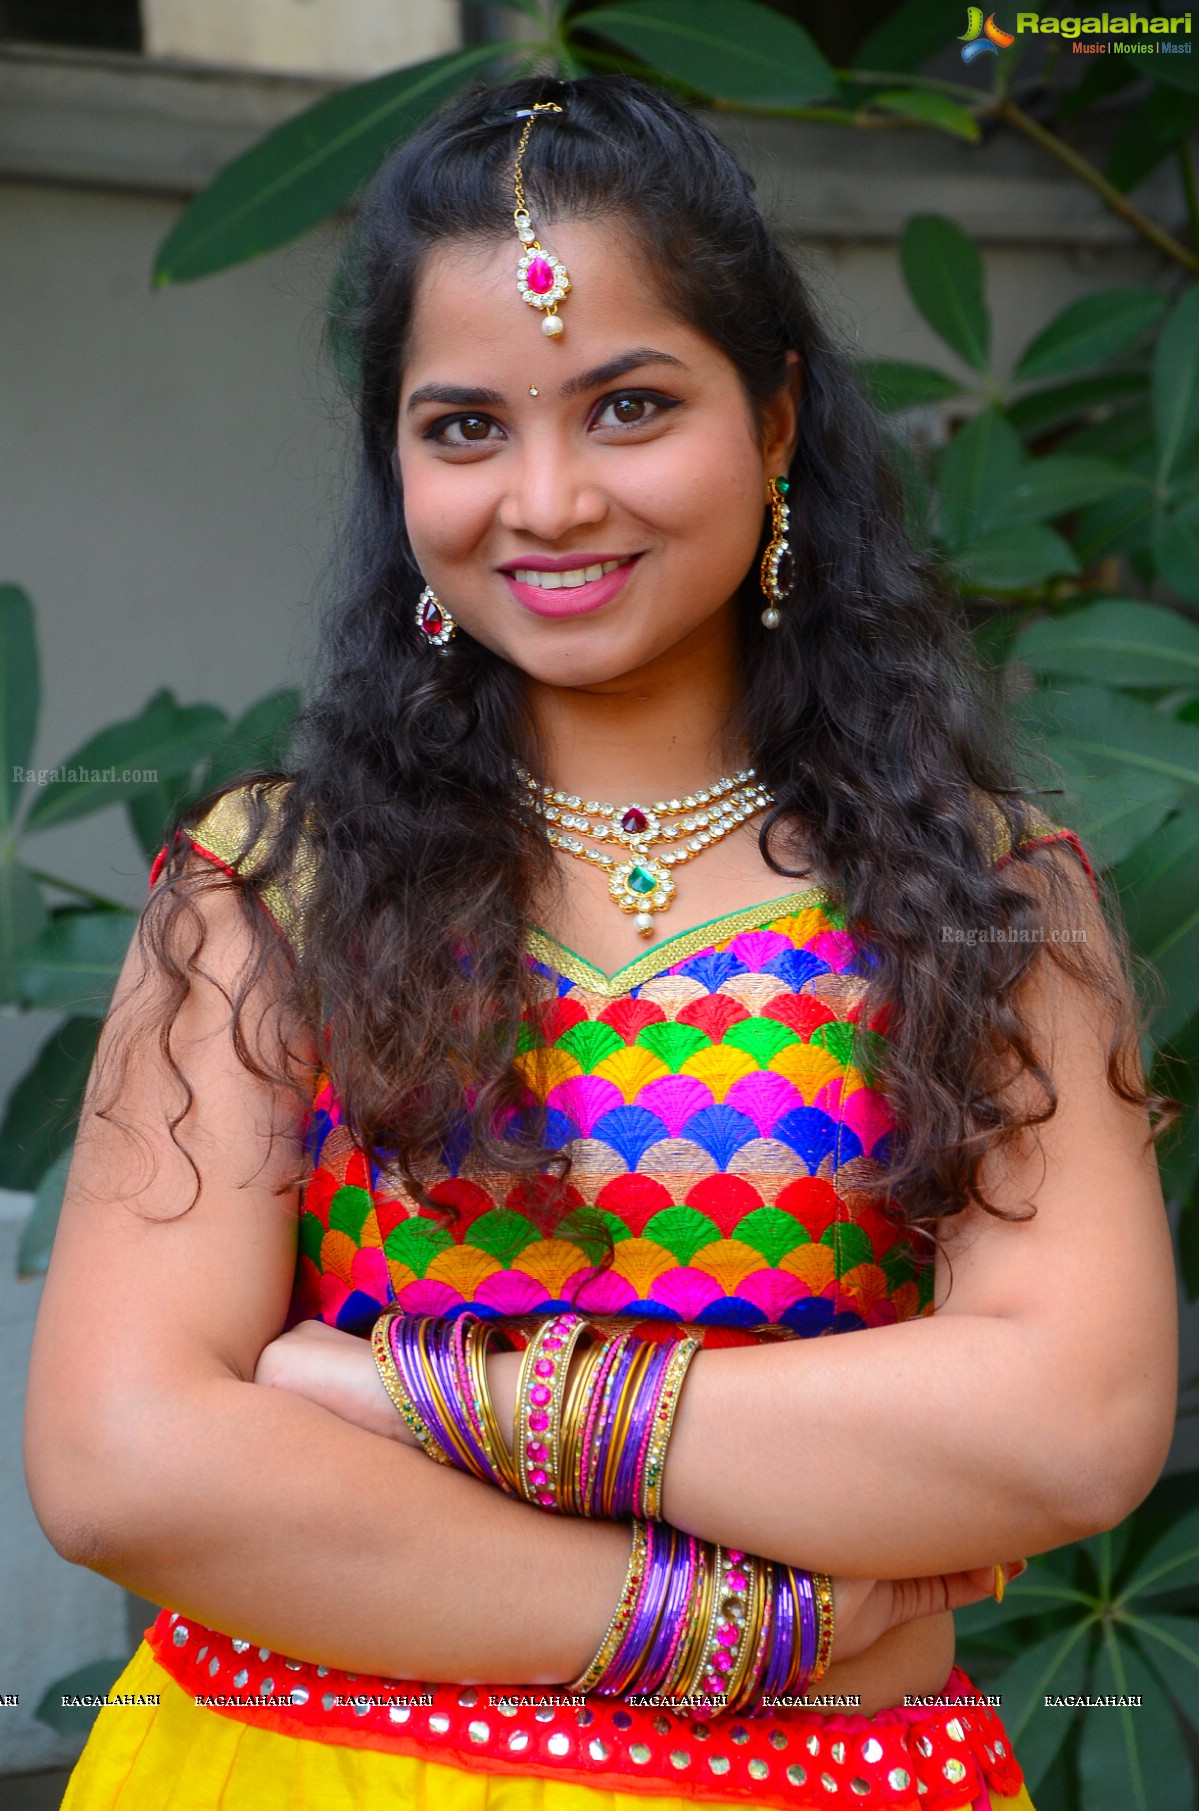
column 1176, row 550
column 1096, row 722
column 930, row 109
column 1176, row 382
column 944, row 274
column 734, row 50
column 1059, row 404
column 1090, row 331
column 1131, row 1758
column 308, row 167
column 23, row 912
column 1113, row 808
column 896, row 385
column 1053, row 486
column 40, row 1115
column 261, row 737
column 1011, row 559
column 1172, row 1643
column 1149, row 134
column 165, row 739
column 20, row 693
column 1123, row 434
column 1175, row 71
column 73, row 965
column 96, row 1678
column 37, row 1234
column 1122, row 523
column 1116, row 642
column 911, row 35
column 1172, row 1562
column 1055, row 1664
column 981, row 465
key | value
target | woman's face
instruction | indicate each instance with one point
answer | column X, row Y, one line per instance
column 628, row 444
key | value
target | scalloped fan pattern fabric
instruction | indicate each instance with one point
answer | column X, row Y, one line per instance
column 720, row 1117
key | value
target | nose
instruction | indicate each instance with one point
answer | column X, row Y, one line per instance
column 550, row 492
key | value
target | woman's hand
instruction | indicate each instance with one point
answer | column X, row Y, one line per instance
column 866, row 1608
column 336, row 1370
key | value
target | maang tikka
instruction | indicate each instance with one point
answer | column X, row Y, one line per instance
column 778, row 569
column 540, row 277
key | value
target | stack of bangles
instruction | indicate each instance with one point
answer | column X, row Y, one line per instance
column 593, row 1422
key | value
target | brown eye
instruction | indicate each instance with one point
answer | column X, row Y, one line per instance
column 629, row 409
column 474, row 427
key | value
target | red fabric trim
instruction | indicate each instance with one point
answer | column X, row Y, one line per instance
column 218, row 862
column 916, row 1758
column 1055, row 836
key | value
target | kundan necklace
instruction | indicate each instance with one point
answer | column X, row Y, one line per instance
column 640, row 882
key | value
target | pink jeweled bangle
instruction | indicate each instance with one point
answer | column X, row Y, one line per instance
column 537, row 1433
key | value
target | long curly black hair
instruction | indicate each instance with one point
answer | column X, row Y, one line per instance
column 865, row 712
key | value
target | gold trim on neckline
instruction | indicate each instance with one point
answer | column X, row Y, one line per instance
column 576, row 968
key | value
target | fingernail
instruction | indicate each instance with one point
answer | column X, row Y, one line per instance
column 998, row 1590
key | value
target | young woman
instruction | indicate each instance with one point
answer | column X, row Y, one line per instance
column 654, row 933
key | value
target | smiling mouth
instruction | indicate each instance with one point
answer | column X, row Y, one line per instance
column 569, row 580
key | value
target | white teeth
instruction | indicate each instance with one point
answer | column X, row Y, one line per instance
column 568, row 581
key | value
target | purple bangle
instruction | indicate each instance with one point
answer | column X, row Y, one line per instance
column 647, row 1614
column 646, row 1412
column 624, row 1470
column 780, row 1663
column 593, row 1447
column 671, row 1628
column 806, row 1658
column 609, row 1457
column 405, row 1334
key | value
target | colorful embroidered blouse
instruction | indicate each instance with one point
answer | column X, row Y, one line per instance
column 717, row 1098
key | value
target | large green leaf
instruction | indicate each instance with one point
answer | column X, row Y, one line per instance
column 1173, row 1561
column 1112, row 807
column 908, row 37
column 1131, row 1757
column 896, row 385
column 1094, row 721
column 1012, row 559
column 37, row 1234
column 1176, row 382
column 20, row 693
column 1058, row 404
column 1055, row 1664
column 976, row 473
column 73, row 965
column 165, row 739
column 1149, row 134
column 23, row 912
column 734, row 50
column 1176, row 550
column 1122, row 523
column 309, row 167
column 95, row 1679
column 1091, row 330
column 39, row 1116
column 1116, row 642
column 1172, row 1644
column 261, row 737
column 944, row 274
column 930, row 109
column 1054, row 486
column 1177, row 71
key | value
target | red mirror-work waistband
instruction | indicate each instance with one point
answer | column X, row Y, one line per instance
column 938, row 1757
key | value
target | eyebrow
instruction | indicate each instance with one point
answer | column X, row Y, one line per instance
column 458, row 396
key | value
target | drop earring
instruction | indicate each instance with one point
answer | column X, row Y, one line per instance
column 777, row 575
column 433, row 619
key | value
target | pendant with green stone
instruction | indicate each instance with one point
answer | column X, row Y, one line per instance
column 644, row 887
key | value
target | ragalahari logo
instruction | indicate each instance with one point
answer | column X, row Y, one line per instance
column 981, row 36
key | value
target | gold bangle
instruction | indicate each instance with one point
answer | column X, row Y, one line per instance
column 822, row 1588
column 758, row 1621
column 397, row 1389
column 479, row 1335
column 663, row 1426
column 580, row 1390
column 618, row 1627
column 688, row 1670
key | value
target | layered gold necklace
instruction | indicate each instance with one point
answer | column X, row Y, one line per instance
column 680, row 829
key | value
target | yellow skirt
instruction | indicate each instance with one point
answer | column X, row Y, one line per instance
column 176, row 1756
